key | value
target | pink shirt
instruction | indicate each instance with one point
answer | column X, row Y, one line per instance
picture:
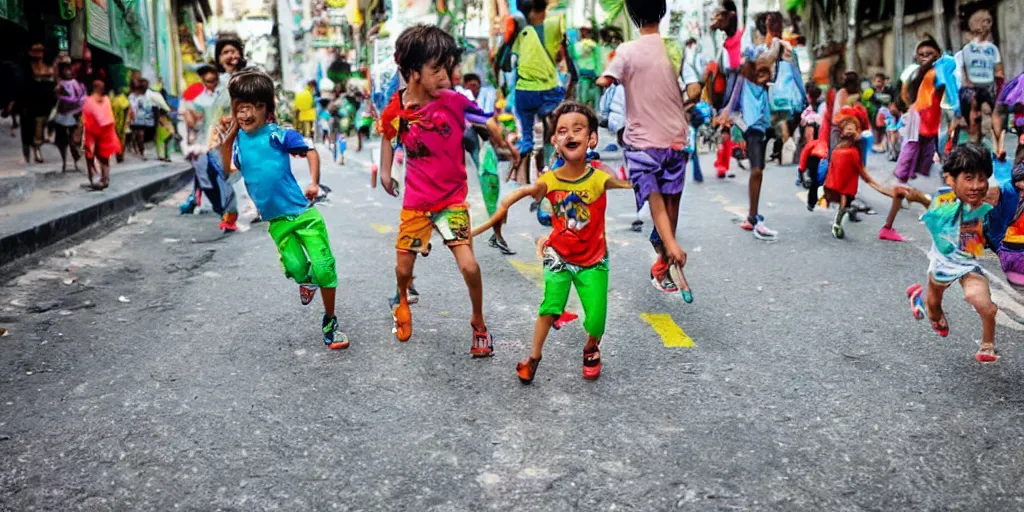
column 733, row 46
column 435, row 172
column 654, row 102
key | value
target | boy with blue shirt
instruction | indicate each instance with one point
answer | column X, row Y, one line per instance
column 261, row 151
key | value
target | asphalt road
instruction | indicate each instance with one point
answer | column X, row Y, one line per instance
column 797, row 380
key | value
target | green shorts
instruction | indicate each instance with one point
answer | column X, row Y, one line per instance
column 305, row 249
column 591, row 287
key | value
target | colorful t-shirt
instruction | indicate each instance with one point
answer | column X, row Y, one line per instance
column 929, row 106
column 958, row 237
column 654, row 102
column 435, row 172
column 577, row 219
column 263, row 157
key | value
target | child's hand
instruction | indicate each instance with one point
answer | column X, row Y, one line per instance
column 312, row 191
column 676, row 254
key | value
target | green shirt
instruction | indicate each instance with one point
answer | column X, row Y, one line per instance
column 535, row 66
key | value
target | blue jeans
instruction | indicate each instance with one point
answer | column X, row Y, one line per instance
column 529, row 105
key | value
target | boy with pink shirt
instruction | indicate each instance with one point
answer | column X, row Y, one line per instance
column 655, row 136
column 429, row 120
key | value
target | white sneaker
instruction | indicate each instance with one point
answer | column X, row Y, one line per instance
column 761, row 232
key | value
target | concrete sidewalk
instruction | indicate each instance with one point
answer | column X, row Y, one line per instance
column 53, row 213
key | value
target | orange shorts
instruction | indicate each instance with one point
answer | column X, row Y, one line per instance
column 416, row 227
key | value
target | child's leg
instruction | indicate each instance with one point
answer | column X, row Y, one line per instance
column 405, row 263
column 540, row 335
column 933, row 304
column 592, row 289
column 556, row 296
column 470, row 270
column 665, row 227
column 812, row 177
column 756, row 146
column 978, row 294
column 312, row 232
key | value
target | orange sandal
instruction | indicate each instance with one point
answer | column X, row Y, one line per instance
column 403, row 322
column 527, row 369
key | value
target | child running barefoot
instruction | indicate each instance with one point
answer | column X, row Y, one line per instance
column 261, row 152
column 429, row 119
column 576, row 251
column 656, row 135
column 956, row 222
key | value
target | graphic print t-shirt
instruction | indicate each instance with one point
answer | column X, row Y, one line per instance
column 435, row 173
column 979, row 61
column 577, row 218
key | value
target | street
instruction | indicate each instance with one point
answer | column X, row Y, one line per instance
column 165, row 366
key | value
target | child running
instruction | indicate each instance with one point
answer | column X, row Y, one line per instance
column 956, row 223
column 923, row 95
column 845, row 168
column 576, row 251
column 261, row 151
column 429, row 120
column 656, row 136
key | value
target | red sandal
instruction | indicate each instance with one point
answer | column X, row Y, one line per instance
column 592, row 363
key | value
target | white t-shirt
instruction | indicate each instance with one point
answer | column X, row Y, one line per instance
column 978, row 61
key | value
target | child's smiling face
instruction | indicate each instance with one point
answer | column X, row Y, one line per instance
column 573, row 137
column 250, row 116
column 971, row 187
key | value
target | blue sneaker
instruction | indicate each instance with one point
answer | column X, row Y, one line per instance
column 333, row 338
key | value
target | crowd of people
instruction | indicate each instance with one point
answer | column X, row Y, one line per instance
column 751, row 93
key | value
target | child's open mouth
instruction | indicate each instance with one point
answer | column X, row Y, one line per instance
column 572, row 145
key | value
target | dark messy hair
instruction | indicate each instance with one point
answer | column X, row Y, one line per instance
column 915, row 81
column 646, row 12
column 420, row 45
column 470, row 77
column 572, row 107
column 851, row 82
column 970, row 157
column 528, row 6
column 732, row 25
column 228, row 40
column 252, row 86
column 205, row 69
column 813, row 91
column 882, row 76
column 769, row 22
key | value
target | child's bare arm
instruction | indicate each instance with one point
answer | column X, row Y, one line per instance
column 227, row 147
column 605, row 81
column 614, row 182
column 535, row 190
column 387, row 158
column 313, row 190
column 864, row 174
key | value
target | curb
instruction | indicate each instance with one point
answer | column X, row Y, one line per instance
column 52, row 229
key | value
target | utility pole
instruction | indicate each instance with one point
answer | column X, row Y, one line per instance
column 897, row 36
column 939, row 15
column 851, row 35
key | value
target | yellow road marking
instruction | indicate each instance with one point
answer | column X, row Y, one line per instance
column 671, row 334
column 531, row 270
column 381, row 228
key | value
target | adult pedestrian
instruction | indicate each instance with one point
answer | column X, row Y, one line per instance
column 37, row 100
column 101, row 140
column 70, row 98
column 305, row 109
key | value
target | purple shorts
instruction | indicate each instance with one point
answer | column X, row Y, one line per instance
column 655, row 170
column 916, row 158
column 1012, row 261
